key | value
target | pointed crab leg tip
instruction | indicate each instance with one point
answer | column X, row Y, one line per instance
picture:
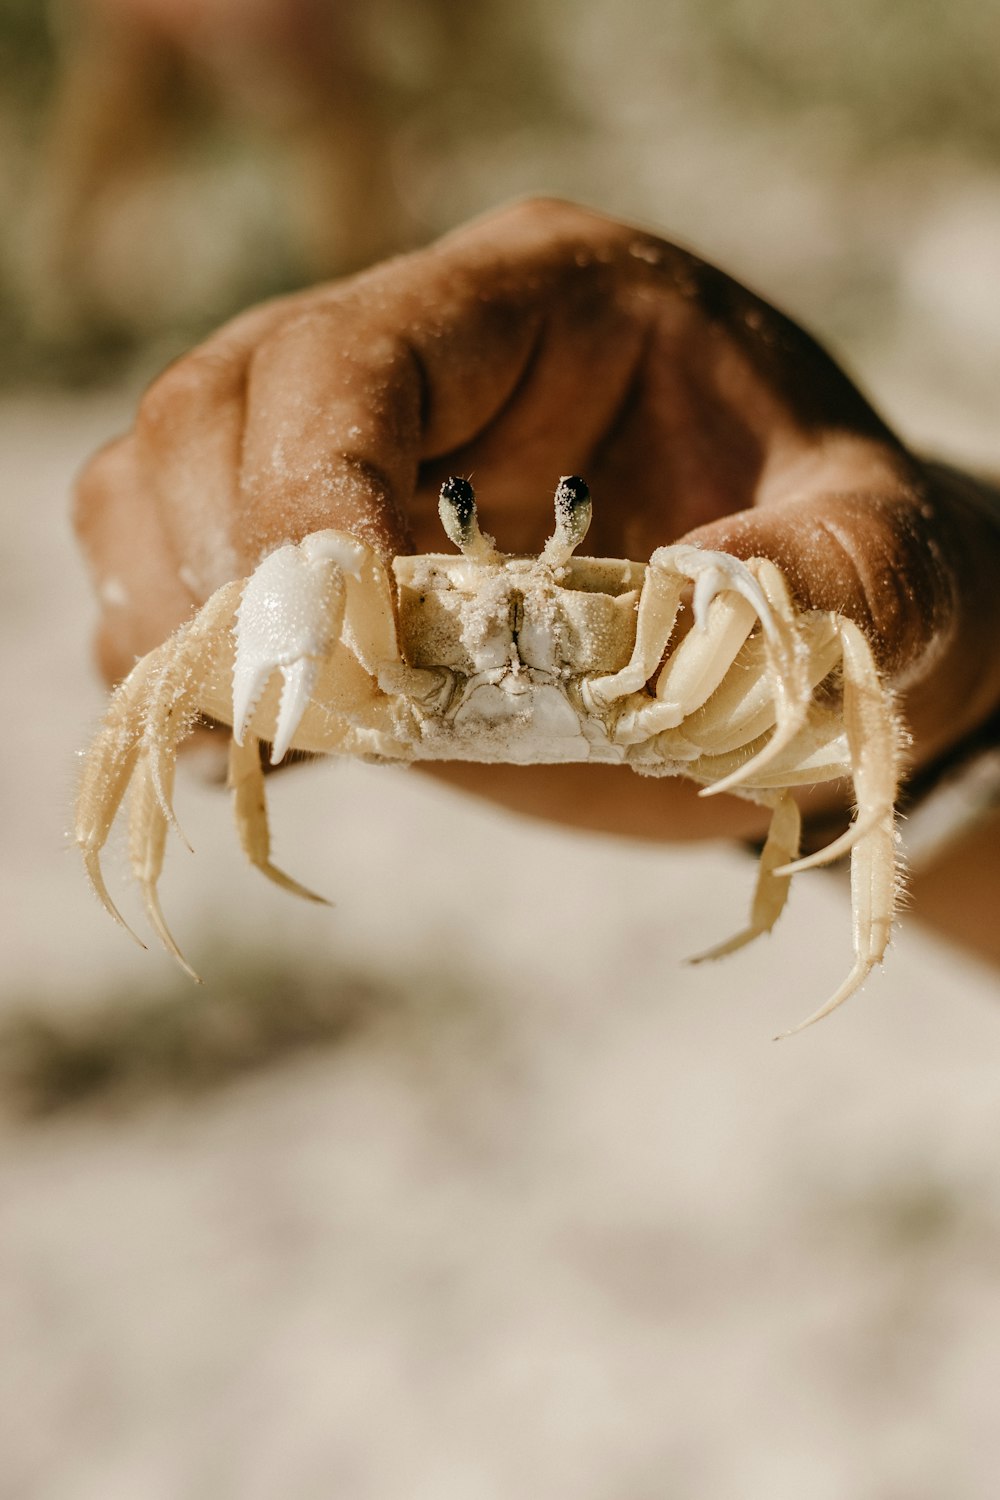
column 782, row 1036
column 151, row 902
column 294, row 887
column 95, row 875
column 734, row 779
column 850, row 986
column 725, row 948
column 745, row 772
column 840, row 847
column 797, row 866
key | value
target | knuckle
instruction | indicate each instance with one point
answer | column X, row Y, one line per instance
column 543, row 212
column 306, row 324
column 903, row 589
column 195, row 384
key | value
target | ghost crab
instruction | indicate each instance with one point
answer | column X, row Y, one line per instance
column 488, row 657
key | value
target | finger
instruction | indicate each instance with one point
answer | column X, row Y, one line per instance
column 130, row 558
column 453, row 358
column 312, row 411
column 188, row 443
column 332, row 432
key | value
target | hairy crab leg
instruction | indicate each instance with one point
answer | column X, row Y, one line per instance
column 874, row 736
column 108, row 768
column 820, row 752
column 147, row 718
column 246, row 782
column 177, row 688
column 147, row 843
column 771, row 891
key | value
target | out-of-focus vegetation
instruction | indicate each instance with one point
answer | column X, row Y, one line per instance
column 165, row 162
column 899, row 77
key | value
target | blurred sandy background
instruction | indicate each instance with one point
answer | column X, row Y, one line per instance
column 469, row 1189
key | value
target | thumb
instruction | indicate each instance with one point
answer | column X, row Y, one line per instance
column 917, row 569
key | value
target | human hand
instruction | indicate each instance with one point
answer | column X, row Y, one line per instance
column 537, row 341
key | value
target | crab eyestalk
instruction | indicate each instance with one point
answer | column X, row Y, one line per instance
column 573, row 515
column 457, row 509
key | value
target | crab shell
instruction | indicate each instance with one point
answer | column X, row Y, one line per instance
column 484, row 662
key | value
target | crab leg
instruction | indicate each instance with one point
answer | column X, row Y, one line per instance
column 743, row 707
column 691, row 675
column 873, row 736
column 178, row 689
column 873, row 743
column 787, row 661
column 150, row 713
column 107, row 771
column 729, row 598
column 701, row 661
column 659, row 604
column 147, row 843
column 819, row 752
column 771, row 891
column 246, row 782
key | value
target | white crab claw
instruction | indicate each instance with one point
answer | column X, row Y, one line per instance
column 289, row 619
column 249, row 681
column 299, row 681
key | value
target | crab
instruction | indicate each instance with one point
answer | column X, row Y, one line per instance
column 695, row 664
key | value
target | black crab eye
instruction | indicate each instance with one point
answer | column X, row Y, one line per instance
column 457, row 505
column 573, row 511
column 571, row 493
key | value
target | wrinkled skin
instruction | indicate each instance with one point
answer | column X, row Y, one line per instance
column 542, row 340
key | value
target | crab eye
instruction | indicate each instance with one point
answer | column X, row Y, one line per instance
column 571, row 493
column 457, row 509
column 573, row 512
column 573, row 507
